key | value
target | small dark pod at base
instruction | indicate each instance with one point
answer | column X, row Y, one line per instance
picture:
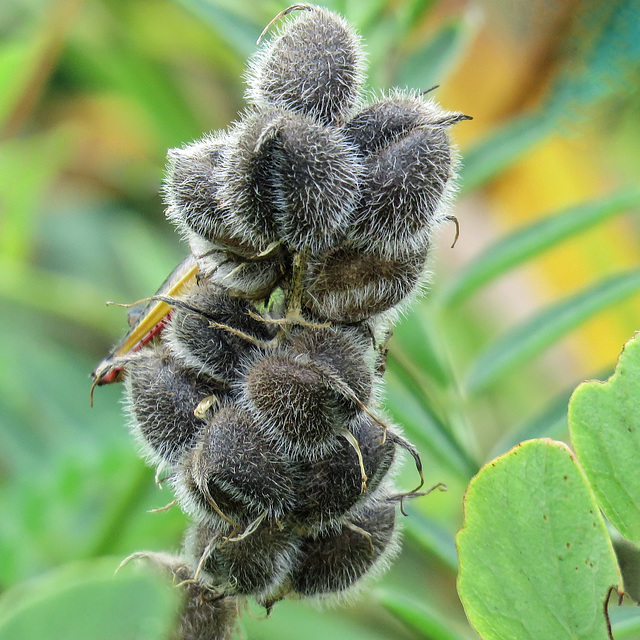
column 326, row 489
column 205, row 613
column 240, row 561
column 333, row 561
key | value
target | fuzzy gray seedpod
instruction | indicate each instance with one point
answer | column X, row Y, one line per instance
column 161, row 397
column 391, row 117
column 342, row 351
column 289, row 179
column 205, row 613
column 334, row 560
column 242, row 269
column 327, row 488
column 303, row 396
column 191, row 188
column 254, row 563
column 234, row 473
column 403, row 192
column 196, row 338
column 314, row 66
column 349, row 286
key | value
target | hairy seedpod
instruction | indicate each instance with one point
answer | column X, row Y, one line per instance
column 335, row 559
column 211, row 331
column 314, row 66
column 205, row 614
column 191, row 188
column 289, row 179
column 255, row 563
column 348, row 285
column 390, row 118
column 161, row 397
column 242, row 269
column 234, row 473
column 403, row 192
column 342, row 351
column 304, row 396
column 329, row 487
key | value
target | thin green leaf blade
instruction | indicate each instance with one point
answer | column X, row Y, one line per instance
column 432, row 537
column 424, row 428
column 432, row 63
column 536, row 334
column 239, row 32
column 422, row 619
column 530, row 241
column 535, row 557
column 604, row 422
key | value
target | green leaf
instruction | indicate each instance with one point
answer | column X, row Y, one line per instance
column 604, row 422
column 532, row 240
column 422, row 619
column 503, row 147
column 536, row 334
column 431, row 64
column 86, row 600
column 535, row 558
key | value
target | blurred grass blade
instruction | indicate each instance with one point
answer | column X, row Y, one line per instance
column 28, row 167
column 431, row 537
column 413, row 11
column 414, row 341
column 424, row 621
column 121, row 67
column 87, row 601
column 605, row 55
column 17, row 59
column 528, row 242
column 503, row 147
column 62, row 296
column 536, row 334
column 239, row 32
column 363, row 14
column 431, row 64
column 424, row 428
column 627, row 628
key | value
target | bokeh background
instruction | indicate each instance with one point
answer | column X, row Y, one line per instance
column 540, row 291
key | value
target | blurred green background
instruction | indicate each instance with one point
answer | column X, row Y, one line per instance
column 540, row 292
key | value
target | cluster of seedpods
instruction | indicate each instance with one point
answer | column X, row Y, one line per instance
column 309, row 223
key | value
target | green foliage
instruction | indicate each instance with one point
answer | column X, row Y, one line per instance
column 84, row 600
column 533, row 542
column 81, row 224
column 604, row 421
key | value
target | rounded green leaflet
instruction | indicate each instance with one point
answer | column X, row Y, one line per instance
column 535, row 558
column 604, row 421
